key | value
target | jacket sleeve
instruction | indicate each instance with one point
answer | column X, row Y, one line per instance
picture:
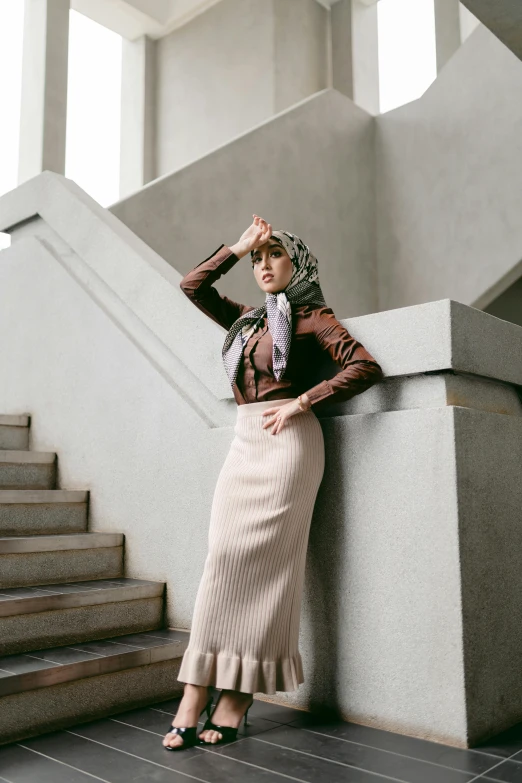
column 197, row 285
column 359, row 368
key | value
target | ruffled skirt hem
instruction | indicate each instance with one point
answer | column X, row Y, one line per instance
column 241, row 674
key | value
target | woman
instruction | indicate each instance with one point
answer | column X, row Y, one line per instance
column 245, row 627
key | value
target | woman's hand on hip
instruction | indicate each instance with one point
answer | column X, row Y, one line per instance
column 281, row 413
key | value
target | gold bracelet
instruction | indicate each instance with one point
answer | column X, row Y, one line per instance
column 300, row 403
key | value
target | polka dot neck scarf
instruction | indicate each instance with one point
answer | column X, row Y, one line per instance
column 303, row 288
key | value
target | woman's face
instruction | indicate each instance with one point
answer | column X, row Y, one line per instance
column 272, row 259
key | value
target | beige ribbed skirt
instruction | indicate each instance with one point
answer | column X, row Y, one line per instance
column 245, row 625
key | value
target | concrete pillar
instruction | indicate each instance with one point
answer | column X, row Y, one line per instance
column 447, row 30
column 355, row 52
column 43, row 116
column 138, row 114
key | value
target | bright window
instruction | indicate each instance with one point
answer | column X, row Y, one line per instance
column 11, row 38
column 93, row 108
column 407, row 53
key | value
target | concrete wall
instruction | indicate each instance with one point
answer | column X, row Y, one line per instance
column 449, row 168
column 388, row 631
column 231, row 67
column 489, row 472
column 309, row 170
column 442, row 216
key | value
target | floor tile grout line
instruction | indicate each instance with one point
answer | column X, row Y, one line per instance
column 133, row 755
column 99, row 655
column 38, row 589
column 4, row 780
column 48, row 660
column 80, row 589
column 270, row 720
column 129, row 644
column 256, row 766
column 93, row 641
column 512, row 757
column 146, row 633
column 165, row 639
column 163, row 712
column 64, row 763
column 479, row 777
column 140, row 728
column 396, row 753
column 487, row 771
column 333, row 761
column 96, row 641
column 173, row 715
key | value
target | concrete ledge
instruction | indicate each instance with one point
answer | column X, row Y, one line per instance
column 441, row 335
column 57, row 543
column 433, row 390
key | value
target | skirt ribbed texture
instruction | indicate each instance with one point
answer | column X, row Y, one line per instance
column 245, row 625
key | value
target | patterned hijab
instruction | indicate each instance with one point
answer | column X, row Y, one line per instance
column 303, row 288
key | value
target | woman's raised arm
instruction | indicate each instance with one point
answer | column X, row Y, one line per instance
column 197, row 285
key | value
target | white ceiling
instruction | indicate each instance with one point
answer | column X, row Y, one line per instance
column 155, row 18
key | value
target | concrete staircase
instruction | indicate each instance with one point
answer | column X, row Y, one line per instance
column 78, row 640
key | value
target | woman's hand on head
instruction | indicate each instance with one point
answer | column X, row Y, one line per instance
column 256, row 234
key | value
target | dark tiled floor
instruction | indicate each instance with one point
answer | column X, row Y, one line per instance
column 280, row 744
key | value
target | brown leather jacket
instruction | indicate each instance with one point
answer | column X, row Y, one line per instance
column 314, row 331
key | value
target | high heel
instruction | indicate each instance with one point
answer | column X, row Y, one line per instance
column 229, row 732
column 189, row 733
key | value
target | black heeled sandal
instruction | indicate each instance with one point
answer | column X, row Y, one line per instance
column 229, row 732
column 189, row 733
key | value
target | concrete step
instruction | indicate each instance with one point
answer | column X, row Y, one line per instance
column 53, row 688
column 58, row 614
column 35, row 560
column 27, row 469
column 14, row 432
column 25, row 512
